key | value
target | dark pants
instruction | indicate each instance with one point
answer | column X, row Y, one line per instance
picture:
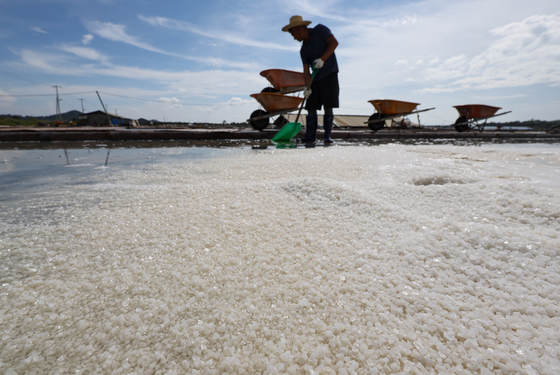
column 324, row 93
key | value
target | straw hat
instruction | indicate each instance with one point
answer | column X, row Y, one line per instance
column 294, row 22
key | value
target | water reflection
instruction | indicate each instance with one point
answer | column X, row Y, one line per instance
column 254, row 144
column 129, row 144
column 32, row 168
column 68, row 159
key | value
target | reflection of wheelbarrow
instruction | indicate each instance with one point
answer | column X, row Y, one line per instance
column 273, row 100
column 390, row 110
column 472, row 114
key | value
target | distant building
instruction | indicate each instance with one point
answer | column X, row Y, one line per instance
column 99, row 118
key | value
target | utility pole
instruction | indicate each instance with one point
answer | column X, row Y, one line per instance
column 58, row 103
column 83, row 110
column 108, row 117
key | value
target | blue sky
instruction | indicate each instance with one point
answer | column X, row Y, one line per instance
column 200, row 61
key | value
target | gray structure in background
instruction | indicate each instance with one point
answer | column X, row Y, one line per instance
column 99, row 118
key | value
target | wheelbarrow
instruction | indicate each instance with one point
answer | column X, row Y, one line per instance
column 474, row 116
column 284, row 81
column 388, row 109
column 273, row 99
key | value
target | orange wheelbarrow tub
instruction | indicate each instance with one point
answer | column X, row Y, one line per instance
column 284, row 80
column 476, row 110
column 389, row 110
column 393, row 107
column 471, row 114
column 272, row 102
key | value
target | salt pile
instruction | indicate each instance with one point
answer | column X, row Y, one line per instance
column 346, row 260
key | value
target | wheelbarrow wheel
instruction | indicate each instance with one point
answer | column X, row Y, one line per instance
column 461, row 124
column 259, row 124
column 280, row 122
column 378, row 123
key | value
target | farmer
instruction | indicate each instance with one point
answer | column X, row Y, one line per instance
column 317, row 50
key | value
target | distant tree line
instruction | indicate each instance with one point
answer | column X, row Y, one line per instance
column 72, row 116
column 15, row 120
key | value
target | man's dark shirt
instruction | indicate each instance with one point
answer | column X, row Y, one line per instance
column 315, row 48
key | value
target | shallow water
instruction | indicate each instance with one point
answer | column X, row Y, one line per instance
column 386, row 259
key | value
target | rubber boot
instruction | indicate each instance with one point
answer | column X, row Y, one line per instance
column 328, row 124
column 310, row 129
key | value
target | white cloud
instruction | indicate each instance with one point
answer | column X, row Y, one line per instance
column 117, row 33
column 495, row 97
column 6, row 99
column 208, row 83
column 238, row 101
column 172, row 102
column 327, row 9
column 226, row 36
column 452, row 68
column 234, row 102
column 86, row 39
column 85, row 52
column 38, row 30
column 48, row 62
column 524, row 53
column 408, row 20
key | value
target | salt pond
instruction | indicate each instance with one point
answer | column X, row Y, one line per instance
column 387, row 259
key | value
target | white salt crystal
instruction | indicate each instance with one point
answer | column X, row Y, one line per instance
column 229, row 265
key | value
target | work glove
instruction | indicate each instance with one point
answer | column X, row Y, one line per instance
column 318, row 64
column 307, row 93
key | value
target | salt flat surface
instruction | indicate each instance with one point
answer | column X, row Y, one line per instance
column 340, row 260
